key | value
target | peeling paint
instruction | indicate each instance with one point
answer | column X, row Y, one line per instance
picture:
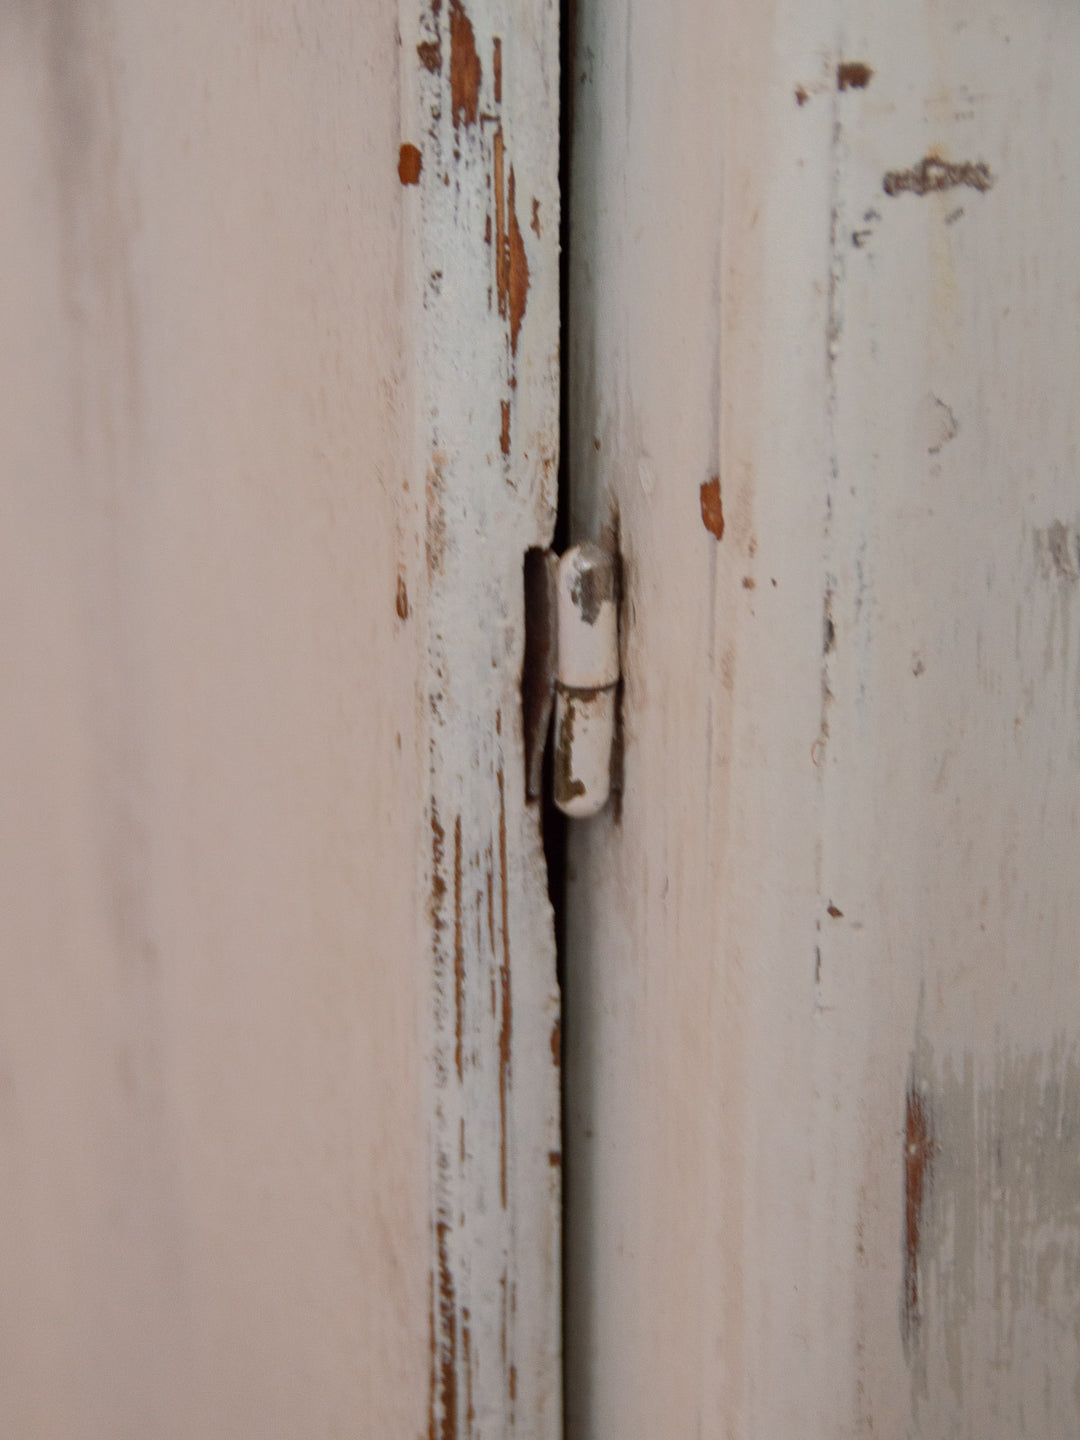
column 465, row 70
column 410, row 164
column 517, row 270
column 430, row 53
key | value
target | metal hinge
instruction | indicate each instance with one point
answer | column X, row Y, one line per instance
column 571, row 666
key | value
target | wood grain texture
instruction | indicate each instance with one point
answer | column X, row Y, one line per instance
column 821, row 984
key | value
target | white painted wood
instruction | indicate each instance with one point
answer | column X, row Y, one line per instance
column 481, row 83
column 822, row 994
column 260, row 615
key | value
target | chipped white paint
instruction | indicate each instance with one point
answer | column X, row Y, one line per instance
column 260, row 770
column 822, row 984
column 481, row 107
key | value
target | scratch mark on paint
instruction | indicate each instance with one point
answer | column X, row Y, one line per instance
column 918, row 1174
column 933, row 174
column 535, row 226
column 506, row 1029
column 438, row 883
column 459, row 956
column 401, row 601
column 490, row 900
column 447, row 1335
column 712, row 507
column 465, row 72
column 504, row 437
column 502, row 283
column 496, row 65
column 466, row 1346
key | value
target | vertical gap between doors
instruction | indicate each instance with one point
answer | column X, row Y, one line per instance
column 555, row 823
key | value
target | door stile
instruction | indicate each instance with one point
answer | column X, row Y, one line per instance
column 480, row 158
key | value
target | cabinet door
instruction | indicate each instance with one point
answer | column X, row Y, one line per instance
column 278, row 1112
column 823, row 1065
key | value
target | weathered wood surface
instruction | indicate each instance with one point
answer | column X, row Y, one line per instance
column 823, row 1051
column 482, row 91
column 243, row 497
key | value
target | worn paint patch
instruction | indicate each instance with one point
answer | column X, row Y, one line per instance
column 712, row 507
column 853, row 75
column 465, row 70
column 430, row 53
column 567, row 786
column 410, row 164
column 991, row 1238
column 933, row 174
column 593, row 587
column 435, row 516
column 1057, row 550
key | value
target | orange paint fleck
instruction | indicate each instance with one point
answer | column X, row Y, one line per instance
column 853, row 75
column 712, row 508
column 519, row 270
column 410, row 163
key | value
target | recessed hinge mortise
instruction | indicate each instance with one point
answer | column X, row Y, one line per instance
column 571, row 665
